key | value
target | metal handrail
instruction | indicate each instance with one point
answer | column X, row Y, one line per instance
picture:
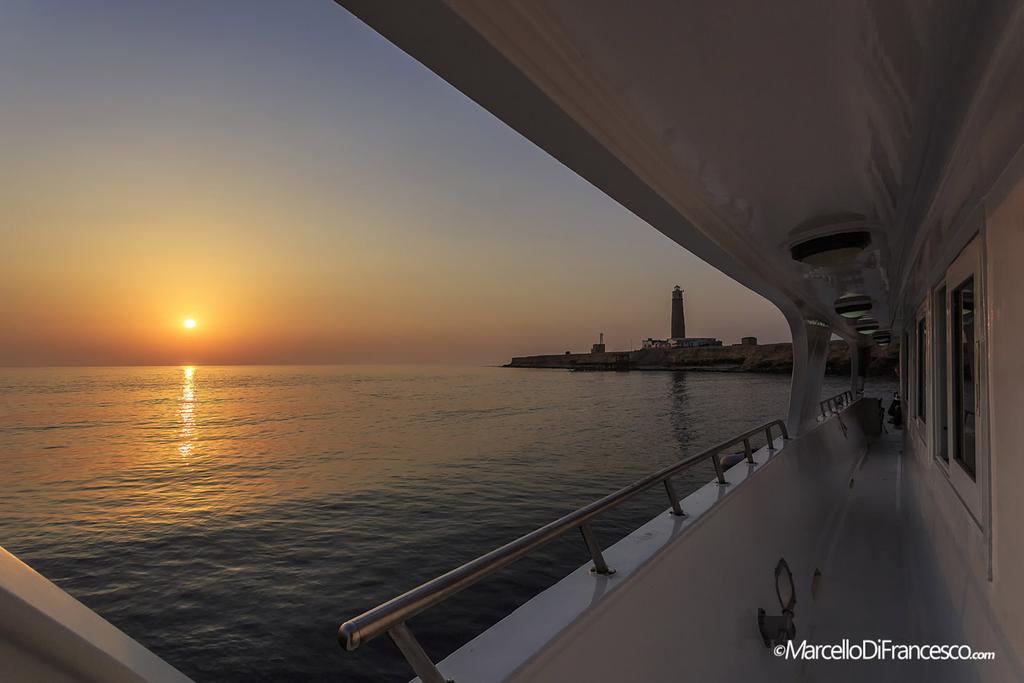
column 834, row 403
column 391, row 616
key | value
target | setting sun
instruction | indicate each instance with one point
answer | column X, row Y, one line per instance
column 189, row 324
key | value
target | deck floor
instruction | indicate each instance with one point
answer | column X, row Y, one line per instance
column 862, row 591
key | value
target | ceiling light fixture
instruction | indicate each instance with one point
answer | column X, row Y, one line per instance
column 866, row 326
column 831, row 250
column 853, row 305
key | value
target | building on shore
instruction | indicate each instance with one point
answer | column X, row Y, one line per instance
column 686, row 343
column 599, row 346
column 748, row 341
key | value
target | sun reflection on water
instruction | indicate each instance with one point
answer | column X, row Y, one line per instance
column 186, row 412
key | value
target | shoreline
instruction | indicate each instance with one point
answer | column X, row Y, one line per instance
column 761, row 358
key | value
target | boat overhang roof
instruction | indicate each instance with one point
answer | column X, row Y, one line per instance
column 741, row 128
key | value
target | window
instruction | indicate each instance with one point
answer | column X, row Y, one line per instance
column 941, row 433
column 922, row 346
column 964, row 385
column 964, row 359
column 905, row 372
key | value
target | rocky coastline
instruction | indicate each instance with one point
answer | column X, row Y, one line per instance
column 768, row 358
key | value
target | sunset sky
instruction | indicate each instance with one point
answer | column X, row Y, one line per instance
column 306, row 193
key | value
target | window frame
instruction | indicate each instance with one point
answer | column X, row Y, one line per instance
column 921, row 383
column 939, row 389
column 972, row 491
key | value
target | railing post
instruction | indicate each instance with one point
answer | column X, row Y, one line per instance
column 747, row 452
column 600, row 566
column 719, row 472
column 834, row 404
column 414, row 654
column 673, row 498
column 768, row 435
column 784, row 430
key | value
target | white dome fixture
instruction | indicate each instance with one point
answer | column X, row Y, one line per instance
column 853, row 305
column 866, row 326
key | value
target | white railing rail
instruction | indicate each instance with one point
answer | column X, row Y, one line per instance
column 834, row 404
column 391, row 616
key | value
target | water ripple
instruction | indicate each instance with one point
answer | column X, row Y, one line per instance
column 231, row 518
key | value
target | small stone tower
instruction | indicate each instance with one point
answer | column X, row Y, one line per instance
column 678, row 318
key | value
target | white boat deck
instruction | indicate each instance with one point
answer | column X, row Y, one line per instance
column 862, row 592
column 867, row 589
column 684, row 583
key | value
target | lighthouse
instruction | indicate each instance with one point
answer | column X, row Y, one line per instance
column 679, row 340
column 678, row 319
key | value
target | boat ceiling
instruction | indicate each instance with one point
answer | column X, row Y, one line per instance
column 752, row 125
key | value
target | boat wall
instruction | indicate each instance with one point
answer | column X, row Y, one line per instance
column 46, row 635
column 965, row 569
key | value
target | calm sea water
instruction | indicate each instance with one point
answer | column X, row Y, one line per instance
column 231, row 518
